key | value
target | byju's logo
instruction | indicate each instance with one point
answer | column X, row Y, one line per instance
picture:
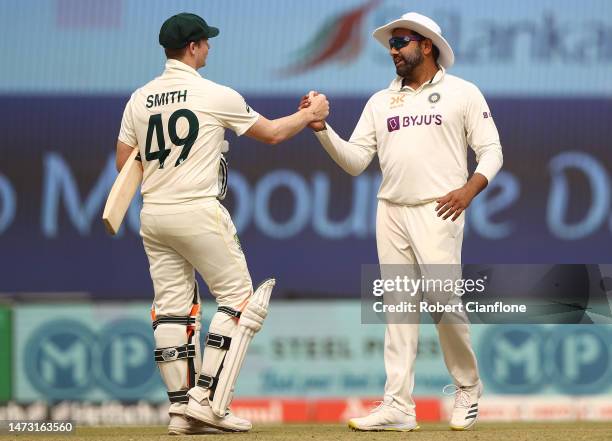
column 393, row 123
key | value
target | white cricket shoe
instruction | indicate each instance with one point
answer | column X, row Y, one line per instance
column 385, row 417
column 179, row 425
column 465, row 409
column 199, row 409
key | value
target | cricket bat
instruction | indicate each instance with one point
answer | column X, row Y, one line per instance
column 122, row 192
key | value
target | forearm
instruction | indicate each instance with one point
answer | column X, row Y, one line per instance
column 123, row 153
column 454, row 203
column 476, row 184
column 289, row 126
column 351, row 158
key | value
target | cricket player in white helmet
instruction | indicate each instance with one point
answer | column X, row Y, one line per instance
column 421, row 127
column 178, row 121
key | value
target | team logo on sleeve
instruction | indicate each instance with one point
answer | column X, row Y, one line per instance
column 434, row 98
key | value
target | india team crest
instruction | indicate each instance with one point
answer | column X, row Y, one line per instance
column 434, row 98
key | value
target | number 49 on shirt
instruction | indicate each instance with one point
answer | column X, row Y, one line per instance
column 156, row 126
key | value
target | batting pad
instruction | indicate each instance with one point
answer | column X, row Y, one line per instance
column 218, row 341
column 251, row 321
column 177, row 356
column 177, row 352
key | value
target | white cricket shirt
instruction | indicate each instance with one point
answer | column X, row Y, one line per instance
column 421, row 137
column 187, row 115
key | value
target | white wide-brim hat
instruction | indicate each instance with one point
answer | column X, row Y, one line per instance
column 422, row 25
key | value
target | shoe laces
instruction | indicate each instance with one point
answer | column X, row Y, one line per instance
column 462, row 397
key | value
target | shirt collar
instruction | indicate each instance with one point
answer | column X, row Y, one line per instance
column 396, row 84
column 176, row 66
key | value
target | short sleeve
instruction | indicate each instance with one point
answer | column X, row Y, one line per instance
column 233, row 112
column 127, row 134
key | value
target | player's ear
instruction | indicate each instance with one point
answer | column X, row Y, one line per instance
column 192, row 47
column 426, row 46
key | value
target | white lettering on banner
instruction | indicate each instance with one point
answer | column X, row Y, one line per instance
column 579, row 350
column 8, row 202
column 33, row 412
column 522, row 355
column 272, row 413
column 57, row 358
column 110, row 412
column 127, row 352
column 58, row 181
column 559, row 197
column 309, row 410
column 243, row 207
column 490, row 202
column 302, row 203
column 356, row 223
column 311, row 202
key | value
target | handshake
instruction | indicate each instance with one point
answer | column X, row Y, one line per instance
column 317, row 108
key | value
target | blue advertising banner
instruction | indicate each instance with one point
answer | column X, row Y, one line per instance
column 300, row 218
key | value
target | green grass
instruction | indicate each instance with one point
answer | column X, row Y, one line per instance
column 305, row 432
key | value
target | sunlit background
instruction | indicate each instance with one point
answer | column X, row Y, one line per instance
column 75, row 338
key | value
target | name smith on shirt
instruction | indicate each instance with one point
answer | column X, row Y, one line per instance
column 161, row 99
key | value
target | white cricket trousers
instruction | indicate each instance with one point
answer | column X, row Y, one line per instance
column 414, row 235
column 178, row 239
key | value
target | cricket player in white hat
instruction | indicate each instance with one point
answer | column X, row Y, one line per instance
column 421, row 127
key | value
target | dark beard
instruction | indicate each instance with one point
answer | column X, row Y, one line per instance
column 411, row 62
